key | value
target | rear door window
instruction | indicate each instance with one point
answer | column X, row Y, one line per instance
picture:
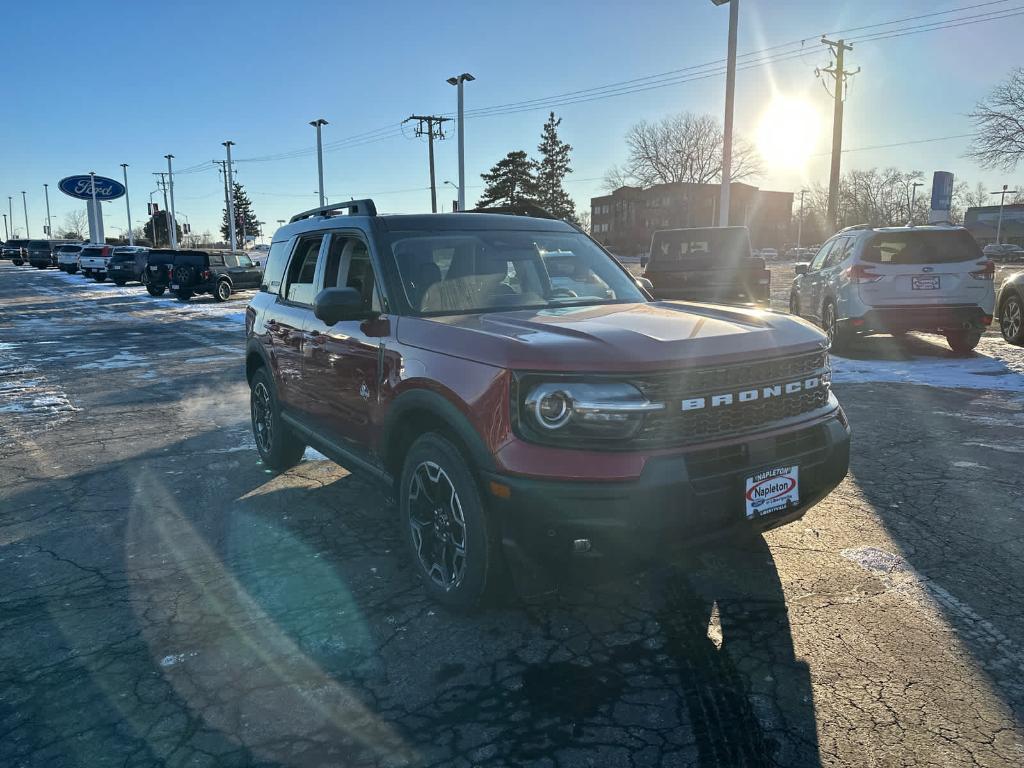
column 934, row 247
column 820, row 256
column 302, row 271
column 838, row 252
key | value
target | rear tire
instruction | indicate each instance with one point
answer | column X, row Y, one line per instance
column 120, row 283
column 277, row 445
column 99, row 278
column 963, row 341
column 183, row 295
column 223, row 291
column 838, row 337
column 440, row 506
column 155, row 290
column 794, row 305
column 1011, row 319
column 71, row 270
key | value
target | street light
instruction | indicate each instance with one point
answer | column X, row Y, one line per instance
column 458, row 82
column 318, row 123
column 913, row 200
column 730, row 95
column 24, row 204
column 800, row 223
column 455, row 187
column 127, row 205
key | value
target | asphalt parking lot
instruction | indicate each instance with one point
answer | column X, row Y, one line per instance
column 166, row 600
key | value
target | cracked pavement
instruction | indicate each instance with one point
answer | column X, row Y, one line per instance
column 167, row 601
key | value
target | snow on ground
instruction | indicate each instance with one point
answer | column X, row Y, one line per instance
column 27, row 394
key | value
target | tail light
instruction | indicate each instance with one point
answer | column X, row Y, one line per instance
column 170, row 270
column 861, row 273
column 987, row 271
column 206, row 274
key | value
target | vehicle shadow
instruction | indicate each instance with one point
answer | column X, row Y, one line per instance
column 188, row 602
column 907, row 347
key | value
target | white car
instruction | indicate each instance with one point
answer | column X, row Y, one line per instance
column 93, row 261
column 898, row 279
column 1004, row 251
column 67, row 257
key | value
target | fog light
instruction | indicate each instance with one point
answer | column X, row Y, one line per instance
column 580, row 546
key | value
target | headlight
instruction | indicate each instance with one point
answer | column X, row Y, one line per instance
column 578, row 409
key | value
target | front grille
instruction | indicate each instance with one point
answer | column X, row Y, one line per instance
column 674, row 426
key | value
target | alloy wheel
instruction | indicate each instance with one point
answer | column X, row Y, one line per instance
column 829, row 322
column 262, row 417
column 223, row 291
column 437, row 525
column 1012, row 319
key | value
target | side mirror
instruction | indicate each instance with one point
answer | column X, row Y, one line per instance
column 801, row 269
column 646, row 284
column 333, row 305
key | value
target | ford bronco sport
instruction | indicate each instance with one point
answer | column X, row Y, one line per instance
column 520, row 421
column 219, row 273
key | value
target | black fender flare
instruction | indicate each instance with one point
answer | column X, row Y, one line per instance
column 422, row 400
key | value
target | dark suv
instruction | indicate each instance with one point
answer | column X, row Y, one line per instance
column 15, row 251
column 41, row 254
column 219, row 273
column 127, row 263
column 156, row 274
column 518, row 420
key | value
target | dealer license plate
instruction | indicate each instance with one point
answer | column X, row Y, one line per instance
column 772, row 490
column 174, row 287
column 929, row 283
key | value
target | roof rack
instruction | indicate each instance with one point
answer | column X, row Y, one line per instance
column 519, row 209
column 354, row 207
column 855, row 227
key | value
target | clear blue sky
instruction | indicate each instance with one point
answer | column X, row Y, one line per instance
column 90, row 85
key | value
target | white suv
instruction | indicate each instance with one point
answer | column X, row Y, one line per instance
column 898, row 279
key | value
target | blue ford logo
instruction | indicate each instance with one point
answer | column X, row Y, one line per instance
column 81, row 187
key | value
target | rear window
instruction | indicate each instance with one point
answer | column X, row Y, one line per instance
column 70, row 248
column 922, row 248
column 682, row 249
column 119, row 258
column 92, row 251
column 38, row 244
column 159, row 258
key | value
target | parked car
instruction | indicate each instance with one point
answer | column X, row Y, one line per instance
column 93, row 261
column 1010, row 308
column 40, row 254
column 127, row 263
column 15, row 251
column 219, row 273
column 1003, row 252
column 707, row 264
column 519, row 423
column 898, row 279
column 67, row 257
column 799, row 254
column 769, row 254
column 157, row 268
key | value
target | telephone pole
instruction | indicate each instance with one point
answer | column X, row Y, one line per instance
column 231, row 196
column 162, row 186
column 839, row 76
column 432, row 127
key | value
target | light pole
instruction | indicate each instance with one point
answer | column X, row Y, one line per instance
column 49, row 224
column 913, row 200
column 730, row 95
column 318, row 124
column 7, row 233
column 1002, row 199
column 458, row 82
column 455, row 187
column 94, row 219
column 127, row 205
column 231, row 196
column 800, row 223
column 170, row 183
column 24, row 205
column 10, row 210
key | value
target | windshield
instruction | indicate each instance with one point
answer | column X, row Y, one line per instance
column 922, row 248
column 680, row 249
column 92, row 252
column 473, row 271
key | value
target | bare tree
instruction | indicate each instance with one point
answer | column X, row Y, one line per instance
column 76, row 223
column 680, row 148
column 584, row 220
column 999, row 125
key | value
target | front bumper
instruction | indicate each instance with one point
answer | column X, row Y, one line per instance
column 921, row 318
column 679, row 501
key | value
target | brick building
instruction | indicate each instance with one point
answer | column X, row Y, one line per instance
column 625, row 220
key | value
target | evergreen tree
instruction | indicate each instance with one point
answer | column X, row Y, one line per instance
column 510, row 181
column 245, row 219
column 552, row 170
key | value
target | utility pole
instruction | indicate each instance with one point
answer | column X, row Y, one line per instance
column 432, row 127
column 839, row 76
column 171, row 239
column 170, row 176
column 231, row 195
column 458, row 82
column 1002, row 199
column 318, row 124
column 7, row 232
column 730, row 98
column 24, row 204
column 10, row 210
column 127, row 205
column 49, row 224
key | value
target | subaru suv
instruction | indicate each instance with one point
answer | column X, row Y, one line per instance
column 518, row 420
column 897, row 279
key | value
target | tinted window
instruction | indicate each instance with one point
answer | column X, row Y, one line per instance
column 302, row 270
column 92, row 252
column 70, row 248
column 273, row 272
column 216, row 259
column 40, row 244
column 922, row 248
column 160, row 258
column 706, row 247
column 119, row 258
column 191, row 259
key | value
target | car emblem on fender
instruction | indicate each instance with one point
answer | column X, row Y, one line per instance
column 927, row 269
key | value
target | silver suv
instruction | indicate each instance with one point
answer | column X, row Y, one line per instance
column 897, row 279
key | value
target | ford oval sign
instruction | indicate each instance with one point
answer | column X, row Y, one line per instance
column 81, row 187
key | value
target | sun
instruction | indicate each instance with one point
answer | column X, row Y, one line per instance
column 788, row 133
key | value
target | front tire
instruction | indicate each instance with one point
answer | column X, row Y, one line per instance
column 223, row 292
column 1011, row 319
column 71, row 270
column 275, row 441
column 454, row 542
column 794, row 305
column 963, row 341
column 183, row 295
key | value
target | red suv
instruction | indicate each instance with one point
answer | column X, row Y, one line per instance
column 525, row 399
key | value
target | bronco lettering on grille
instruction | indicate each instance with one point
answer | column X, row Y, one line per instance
column 750, row 395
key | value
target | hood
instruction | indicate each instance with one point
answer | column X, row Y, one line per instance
column 613, row 338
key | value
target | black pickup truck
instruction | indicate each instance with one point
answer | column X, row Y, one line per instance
column 219, row 273
column 712, row 264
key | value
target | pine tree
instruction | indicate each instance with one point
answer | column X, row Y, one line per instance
column 245, row 219
column 552, row 170
column 510, row 181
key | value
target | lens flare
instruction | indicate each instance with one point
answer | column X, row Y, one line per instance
column 788, row 133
